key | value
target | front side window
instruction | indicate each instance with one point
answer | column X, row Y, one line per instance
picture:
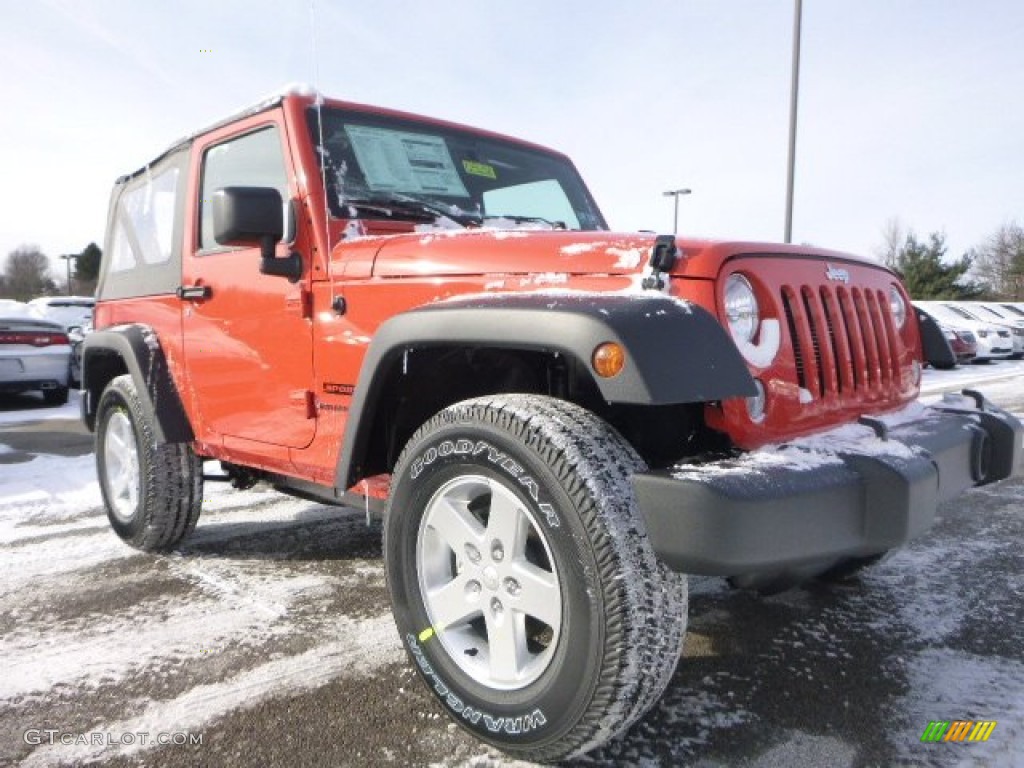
column 388, row 168
column 253, row 160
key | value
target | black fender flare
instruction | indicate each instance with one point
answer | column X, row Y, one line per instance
column 676, row 352
column 934, row 345
column 138, row 348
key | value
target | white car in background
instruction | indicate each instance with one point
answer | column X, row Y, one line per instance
column 994, row 342
column 990, row 312
column 35, row 354
column 1016, row 308
column 69, row 311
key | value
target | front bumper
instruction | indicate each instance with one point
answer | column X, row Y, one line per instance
column 820, row 506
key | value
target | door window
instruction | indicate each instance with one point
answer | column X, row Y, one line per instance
column 253, row 160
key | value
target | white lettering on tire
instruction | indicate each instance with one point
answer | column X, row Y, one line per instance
column 500, row 459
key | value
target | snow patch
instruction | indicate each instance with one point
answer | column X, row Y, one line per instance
column 575, row 249
column 629, row 258
column 947, row 684
column 544, row 278
column 813, row 452
column 366, row 646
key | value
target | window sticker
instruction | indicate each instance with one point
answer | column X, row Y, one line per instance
column 399, row 161
column 479, row 169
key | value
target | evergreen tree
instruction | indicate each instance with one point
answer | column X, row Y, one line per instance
column 926, row 274
column 87, row 269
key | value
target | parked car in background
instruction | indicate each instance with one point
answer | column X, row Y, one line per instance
column 35, row 354
column 75, row 314
column 69, row 311
column 1015, row 308
column 991, row 313
column 962, row 343
column 993, row 342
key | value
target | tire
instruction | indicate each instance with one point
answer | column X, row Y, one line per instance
column 522, row 582
column 153, row 492
column 56, row 396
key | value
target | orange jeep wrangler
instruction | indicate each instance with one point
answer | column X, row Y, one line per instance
column 366, row 307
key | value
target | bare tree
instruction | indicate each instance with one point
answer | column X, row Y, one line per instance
column 894, row 238
column 27, row 273
column 999, row 262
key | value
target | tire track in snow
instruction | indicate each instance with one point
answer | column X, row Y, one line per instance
column 153, row 634
column 367, row 646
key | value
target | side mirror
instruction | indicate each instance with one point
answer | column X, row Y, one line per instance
column 247, row 216
column 256, row 216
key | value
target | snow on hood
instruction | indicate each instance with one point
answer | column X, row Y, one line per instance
column 441, row 251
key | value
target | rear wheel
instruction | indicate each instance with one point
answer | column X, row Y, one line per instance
column 523, row 584
column 153, row 492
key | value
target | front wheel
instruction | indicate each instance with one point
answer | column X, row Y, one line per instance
column 523, row 584
column 153, row 491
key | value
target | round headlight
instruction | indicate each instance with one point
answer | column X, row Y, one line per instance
column 897, row 306
column 741, row 308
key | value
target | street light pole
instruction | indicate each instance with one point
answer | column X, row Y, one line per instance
column 794, row 92
column 675, row 208
column 67, row 259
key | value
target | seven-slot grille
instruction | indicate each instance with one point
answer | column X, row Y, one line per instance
column 844, row 340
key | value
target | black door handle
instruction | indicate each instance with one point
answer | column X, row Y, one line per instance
column 193, row 292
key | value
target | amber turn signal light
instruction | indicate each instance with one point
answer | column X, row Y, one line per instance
column 608, row 359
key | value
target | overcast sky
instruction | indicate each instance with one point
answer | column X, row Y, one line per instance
column 908, row 108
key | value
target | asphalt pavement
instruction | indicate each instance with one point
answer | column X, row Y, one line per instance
column 267, row 636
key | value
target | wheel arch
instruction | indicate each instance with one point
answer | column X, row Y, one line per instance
column 135, row 350
column 531, row 333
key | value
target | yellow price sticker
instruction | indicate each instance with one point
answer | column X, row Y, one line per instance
column 479, row 169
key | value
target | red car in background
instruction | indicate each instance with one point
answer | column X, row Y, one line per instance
column 961, row 341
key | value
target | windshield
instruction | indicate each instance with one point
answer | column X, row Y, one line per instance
column 993, row 312
column 958, row 311
column 386, row 168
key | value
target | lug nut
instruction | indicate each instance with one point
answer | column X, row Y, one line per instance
column 497, row 552
column 512, row 586
column 472, row 553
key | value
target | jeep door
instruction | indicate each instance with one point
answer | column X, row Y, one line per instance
column 247, row 337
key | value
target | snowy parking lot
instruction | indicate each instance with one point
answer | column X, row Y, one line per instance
column 266, row 639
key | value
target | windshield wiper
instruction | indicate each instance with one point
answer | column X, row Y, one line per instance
column 526, row 220
column 412, row 209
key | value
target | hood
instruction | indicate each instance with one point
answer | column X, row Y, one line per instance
column 538, row 252
column 511, row 252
